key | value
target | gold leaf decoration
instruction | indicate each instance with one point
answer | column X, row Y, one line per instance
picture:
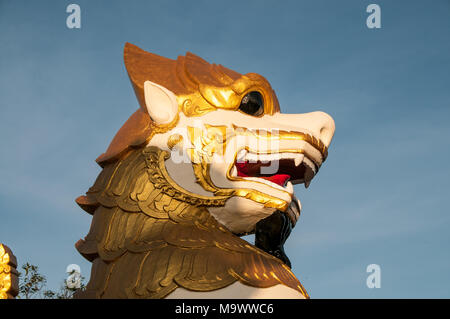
column 149, row 236
column 9, row 282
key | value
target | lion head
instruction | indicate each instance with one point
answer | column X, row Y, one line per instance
column 226, row 134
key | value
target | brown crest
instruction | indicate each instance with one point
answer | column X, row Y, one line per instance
column 200, row 87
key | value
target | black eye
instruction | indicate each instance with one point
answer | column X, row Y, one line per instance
column 252, row 104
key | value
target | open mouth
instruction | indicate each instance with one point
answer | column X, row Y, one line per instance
column 282, row 169
column 279, row 170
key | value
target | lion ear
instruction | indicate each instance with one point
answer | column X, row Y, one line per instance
column 161, row 103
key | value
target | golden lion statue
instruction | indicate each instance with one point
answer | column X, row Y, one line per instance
column 207, row 158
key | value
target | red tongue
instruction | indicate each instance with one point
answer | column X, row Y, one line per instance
column 280, row 179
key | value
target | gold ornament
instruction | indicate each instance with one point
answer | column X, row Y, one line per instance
column 9, row 282
column 150, row 236
column 174, row 140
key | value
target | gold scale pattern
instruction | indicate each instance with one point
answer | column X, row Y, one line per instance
column 148, row 237
column 9, row 277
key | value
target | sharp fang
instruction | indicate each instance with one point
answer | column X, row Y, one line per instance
column 298, row 159
column 299, row 205
column 295, row 208
column 234, row 171
column 240, row 158
column 309, row 174
column 289, row 188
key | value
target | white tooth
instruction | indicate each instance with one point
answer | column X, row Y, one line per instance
column 241, row 156
column 234, row 171
column 289, row 188
column 265, row 157
column 275, row 157
column 296, row 208
column 299, row 207
column 286, row 155
column 298, row 159
column 251, row 157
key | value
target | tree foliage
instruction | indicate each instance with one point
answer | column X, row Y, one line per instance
column 32, row 285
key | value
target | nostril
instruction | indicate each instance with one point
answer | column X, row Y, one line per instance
column 324, row 134
column 327, row 128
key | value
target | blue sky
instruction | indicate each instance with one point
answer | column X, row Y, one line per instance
column 381, row 197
